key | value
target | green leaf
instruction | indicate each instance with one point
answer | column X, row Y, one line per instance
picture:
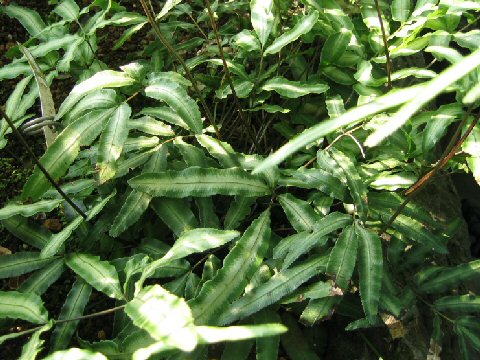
column 220, row 150
column 343, row 257
column 72, row 308
column 176, row 214
column 239, row 209
column 356, row 185
column 238, row 267
column 95, row 100
column 262, row 18
column 411, row 229
column 458, row 303
column 111, row 142
column 450, row 277
column 294, row 342
column 300, row 214
column 75, row 353
column 177, row 98
column 196, row 181
column 400, row 10
column 319, row 309
column 324, row 226
column 294, row 89
column 303, row 26
column 136, row 202
column 164, row 316
column 267, row 348
column 211, row 334
column 191, row 242
column 30, row 20
column 351, row 117
column 17, row 305
column 31, row 234
column 61, row 154
column 101, row 80
column 169, row 5
column 370, row 268
column 68, row 10
column 279, row 285
column 41, row 280
column 31, row 349
column 99, row 274
column 57, row 240
column 335, row 47
column 27, row 210
column 21, row 263
column 429, row 91
column 150, row 126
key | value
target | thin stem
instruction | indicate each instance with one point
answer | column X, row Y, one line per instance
column 414, row 189
column 39, row 164
column 189, row 75
column 227, row 74
column 385, row 44
column 100, row 313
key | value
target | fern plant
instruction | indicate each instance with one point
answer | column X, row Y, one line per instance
column 177, row 214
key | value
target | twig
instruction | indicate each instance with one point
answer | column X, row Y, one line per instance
column 189, row 75
column 431, row 174
column 227, row 75
column 385, row 44
column 100, row 313
column 39, row 164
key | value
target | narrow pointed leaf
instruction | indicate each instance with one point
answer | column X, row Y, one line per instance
column 294, row 89
column 164, row 316
column 353, row 116
column 343, row 257
column 73, row 307
column 21, row 263
column 101, row 80
column 41, row 280
column 31, row 349
column 356, row 185
column 220, row 150
column 238, row 267
column 29, row 18
column 99, row 274
column 61, row 154
column 335, row 47
column 75, row 353
column 177, row 98
column 191, row 242
column 458, row 303
column 319, row 309
column 304, row 25
column 196, row 181
column 294, row 342
column 210, row 334
column 150, row 126
column 430, row 91
column 31, row 234
column 262, row 18
column 68, row 10
column 111, row 142
column 267, row 348
column 57, row 240
column 411, row 229
column 17, row 305
column 400, row 10
column 27, row 210
column 279, row 285
column 450, row 277
column 300, row 214
column 370, row 268
column 176, row 214
column 239, row 209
